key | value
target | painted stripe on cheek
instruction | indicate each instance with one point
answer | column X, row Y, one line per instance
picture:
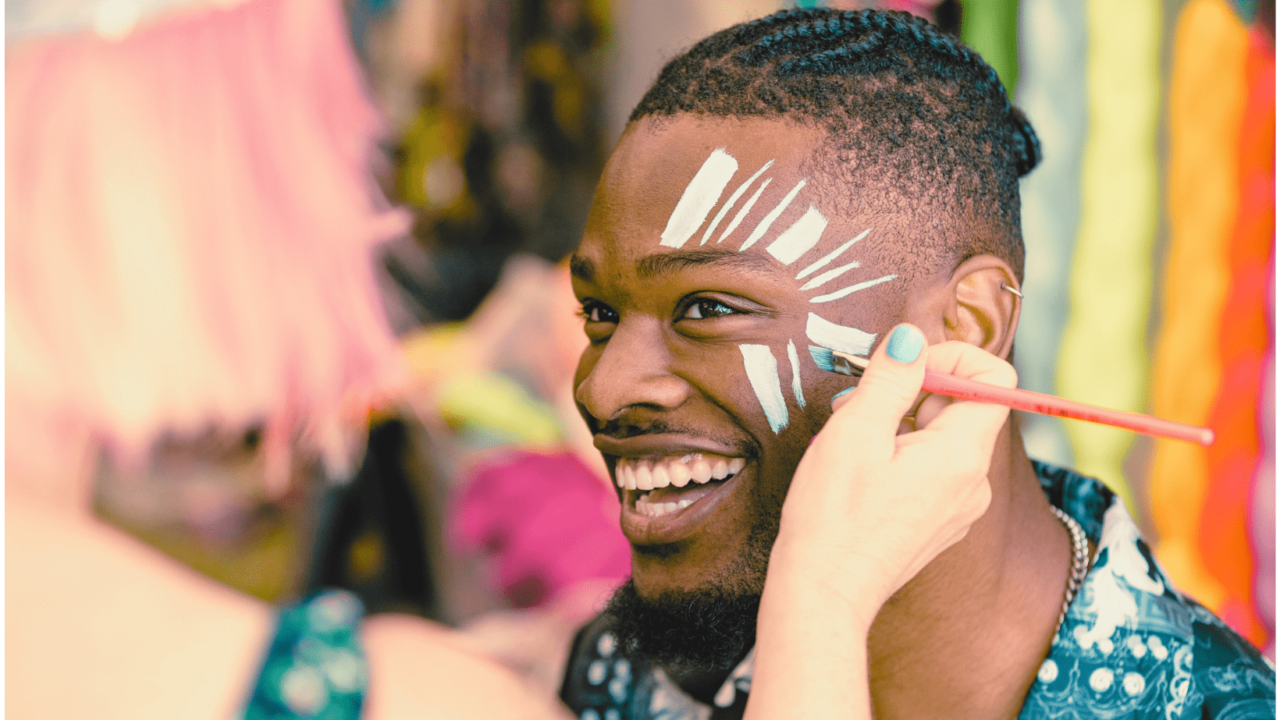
column 762, row 372
column 838, row 337
column 831, row 256
column 794, row 357
column 728, row 204
column 800, row 238
column 767, row 222
column 851, row 289
column 700, row 195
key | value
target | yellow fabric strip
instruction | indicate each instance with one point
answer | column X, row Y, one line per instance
column 1206, row 109
column 1104, row 356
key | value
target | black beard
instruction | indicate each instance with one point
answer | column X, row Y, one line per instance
column 706, row 631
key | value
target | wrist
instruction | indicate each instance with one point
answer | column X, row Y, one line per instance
column 806, row 585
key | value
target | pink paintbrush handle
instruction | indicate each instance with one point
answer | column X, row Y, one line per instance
column 956, row 387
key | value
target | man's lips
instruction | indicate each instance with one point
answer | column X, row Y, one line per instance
column 669, row 484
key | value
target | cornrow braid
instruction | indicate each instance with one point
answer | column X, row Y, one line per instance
column 904, row 106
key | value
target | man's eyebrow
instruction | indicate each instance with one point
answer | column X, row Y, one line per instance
column 652, row 266
column 582, row 268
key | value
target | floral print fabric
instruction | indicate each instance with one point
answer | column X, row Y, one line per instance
column 315, row 666
column 1131, row 646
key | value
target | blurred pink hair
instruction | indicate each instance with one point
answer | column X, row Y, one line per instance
column 189, row 224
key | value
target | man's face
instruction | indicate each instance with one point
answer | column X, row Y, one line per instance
column 708, row 270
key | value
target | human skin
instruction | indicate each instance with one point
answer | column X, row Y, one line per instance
column 664, row 376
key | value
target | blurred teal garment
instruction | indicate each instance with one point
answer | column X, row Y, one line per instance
column 1051, row 92
column 315, row 666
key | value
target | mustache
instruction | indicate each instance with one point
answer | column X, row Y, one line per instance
column 622, row 429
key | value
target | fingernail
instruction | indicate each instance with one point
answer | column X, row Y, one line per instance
column 842, row 392
column 905, row 344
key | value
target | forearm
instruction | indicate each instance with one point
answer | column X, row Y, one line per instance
column 811, row 650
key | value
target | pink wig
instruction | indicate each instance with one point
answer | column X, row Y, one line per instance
column 189, row 223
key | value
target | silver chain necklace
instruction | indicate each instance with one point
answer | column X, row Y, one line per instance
column 1079, row 561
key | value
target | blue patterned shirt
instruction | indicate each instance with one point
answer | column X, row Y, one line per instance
column 1131, row 646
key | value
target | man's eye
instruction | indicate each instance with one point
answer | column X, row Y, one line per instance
column 595, row 311
column 705, row 308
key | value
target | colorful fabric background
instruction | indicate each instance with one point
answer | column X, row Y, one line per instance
column 1150, row 231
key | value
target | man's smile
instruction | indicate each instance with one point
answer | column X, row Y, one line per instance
column 669, row 485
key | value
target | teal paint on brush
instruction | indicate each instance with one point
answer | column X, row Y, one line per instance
column 823, row 358
column 905, row 344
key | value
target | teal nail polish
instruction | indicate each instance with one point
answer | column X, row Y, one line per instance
column 842, row 392
column 905, row 344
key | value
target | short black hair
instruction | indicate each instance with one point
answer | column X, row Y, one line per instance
column 915, row 120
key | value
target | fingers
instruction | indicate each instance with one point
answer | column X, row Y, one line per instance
column 868, row 416
column 970, row 421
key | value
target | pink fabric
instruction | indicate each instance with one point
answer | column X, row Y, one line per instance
column 189, row 220
column 548, row 522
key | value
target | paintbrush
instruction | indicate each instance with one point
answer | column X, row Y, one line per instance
column 1026, row 400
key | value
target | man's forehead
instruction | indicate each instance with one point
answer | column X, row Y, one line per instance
column 689, row 191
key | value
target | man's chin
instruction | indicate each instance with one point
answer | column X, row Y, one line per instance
column 700, row 630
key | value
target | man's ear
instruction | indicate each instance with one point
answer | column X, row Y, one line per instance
column 983, row 305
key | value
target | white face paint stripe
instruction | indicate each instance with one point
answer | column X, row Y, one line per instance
column 700, row 195
column 737, row 219
column 729, row 203
column 794, row 357
column 762, row 371
column 767, row 222
column 830, row 275
column 851, row 289
column 800, row 238
column 832, row 255
column 838, row 337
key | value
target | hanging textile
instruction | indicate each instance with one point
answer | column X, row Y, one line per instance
column 1206, row 108
column 1051, row 91
column 1104, row 356
column 1243, row 339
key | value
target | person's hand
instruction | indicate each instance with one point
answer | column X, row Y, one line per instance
column 873, row 501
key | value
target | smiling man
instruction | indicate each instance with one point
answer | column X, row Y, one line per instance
column 799, row 186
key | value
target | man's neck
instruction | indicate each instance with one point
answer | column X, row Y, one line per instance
column 967, row 635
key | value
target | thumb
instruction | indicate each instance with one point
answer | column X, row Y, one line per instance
column 887, row 391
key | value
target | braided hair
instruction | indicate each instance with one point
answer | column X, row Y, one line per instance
column 916, row 123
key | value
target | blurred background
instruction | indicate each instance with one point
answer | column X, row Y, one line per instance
column 461, row 485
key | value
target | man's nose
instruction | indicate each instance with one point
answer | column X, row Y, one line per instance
column 632, row 373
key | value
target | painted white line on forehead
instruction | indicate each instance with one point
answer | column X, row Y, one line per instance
column 700, row 195
column 838, row 337
column 737, row 219
column 767, row 222
column 832, row 255
column 762, row 371
column 830, row 275
column 800, row 238
column 733, row 199
column 851, row 289
column 794, row 357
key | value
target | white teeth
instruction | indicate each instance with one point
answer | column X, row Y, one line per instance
column 701, row 471
column 644, row 477
column 680, row 474
column 651, row 509
column 632, row 474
